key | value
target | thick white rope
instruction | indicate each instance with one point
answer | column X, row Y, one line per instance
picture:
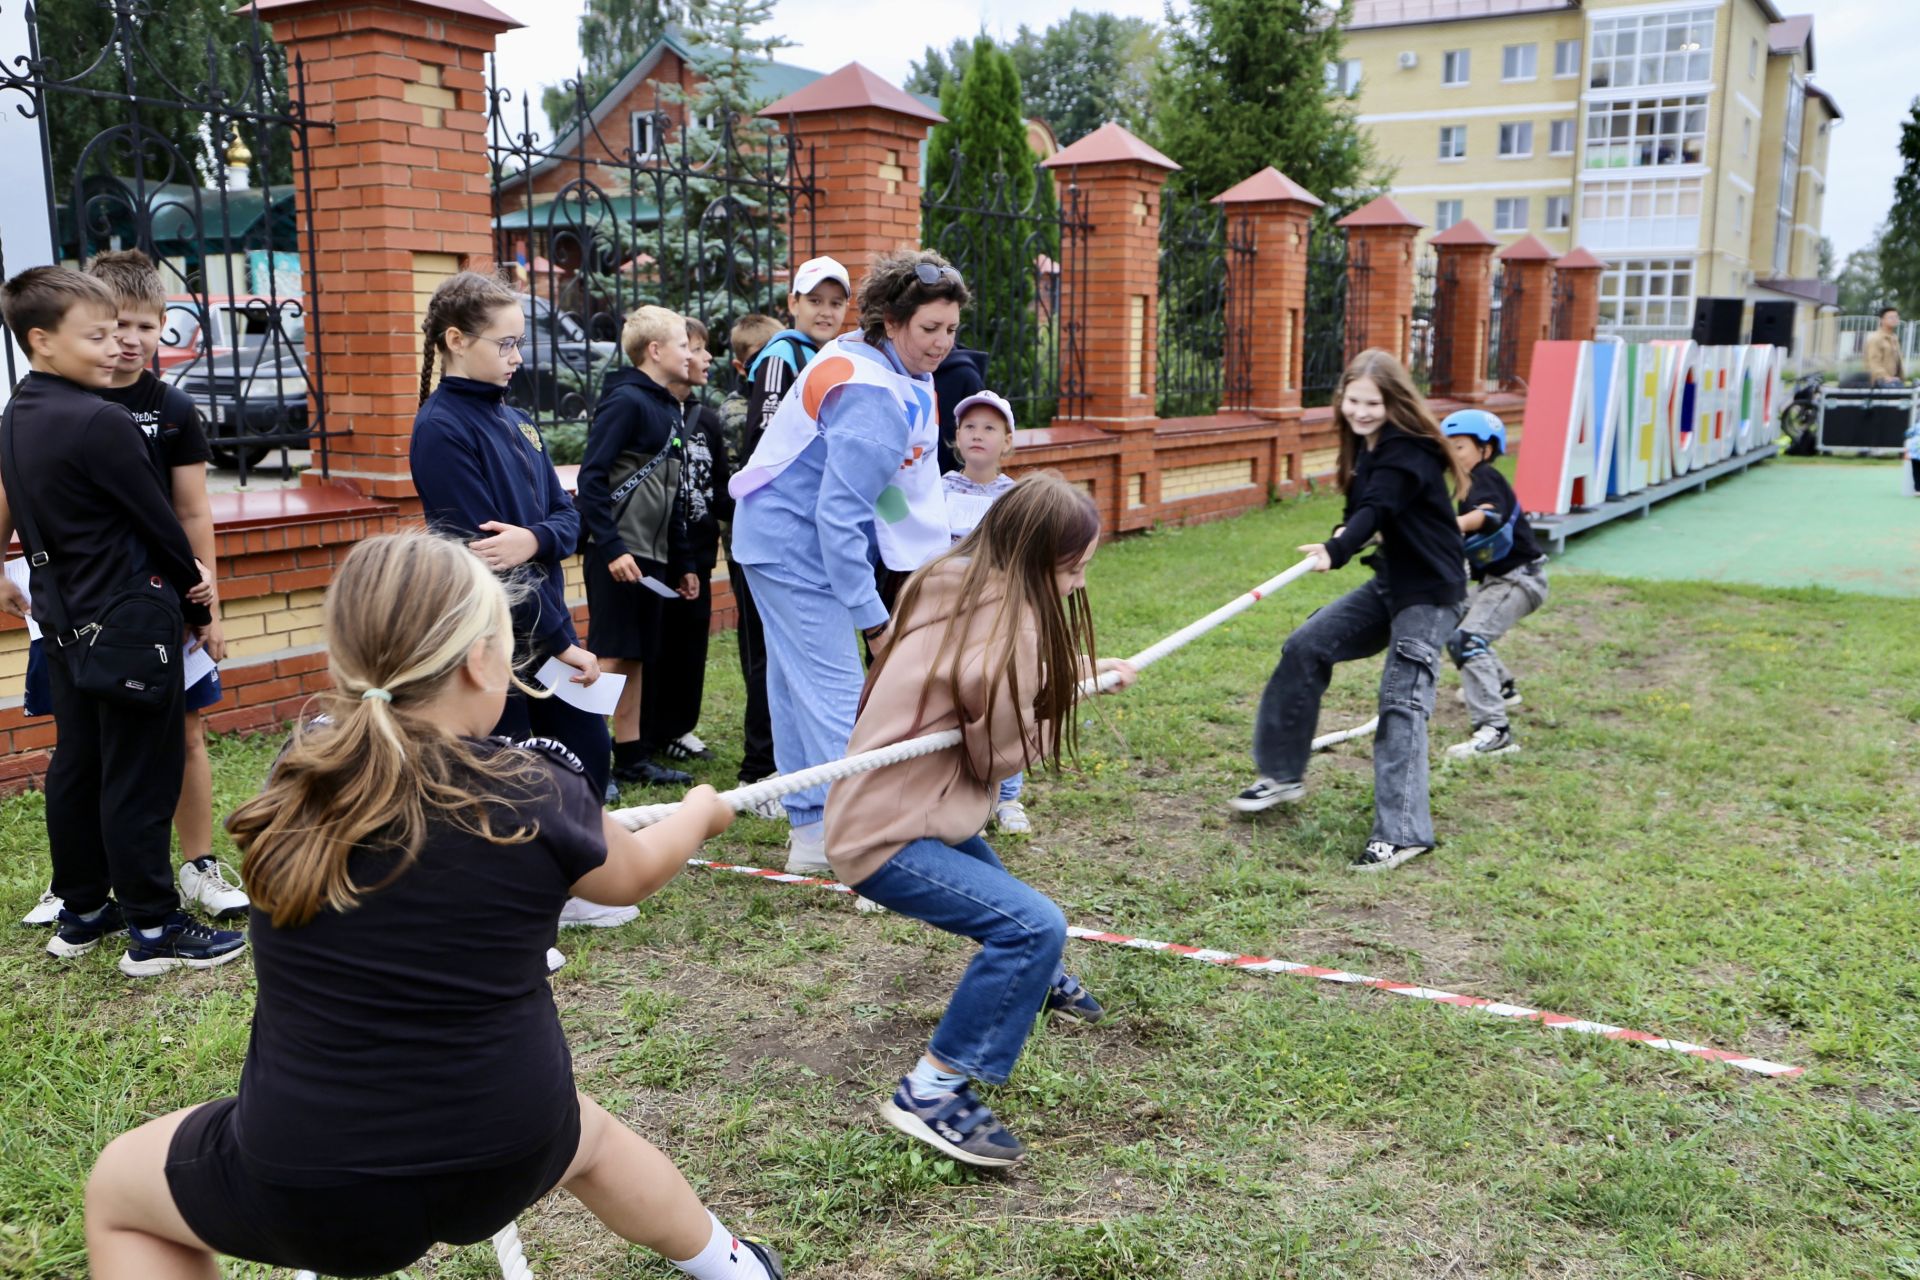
column 755, row 793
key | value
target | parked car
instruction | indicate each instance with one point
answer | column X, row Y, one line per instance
column 243, row 360
column 562, row 366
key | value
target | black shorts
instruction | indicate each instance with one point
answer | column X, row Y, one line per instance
column 369, row 1227
column 623, row 618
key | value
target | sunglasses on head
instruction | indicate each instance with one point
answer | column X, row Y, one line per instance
column 927, row 273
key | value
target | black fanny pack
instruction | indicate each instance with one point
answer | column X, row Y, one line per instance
column 129, row 654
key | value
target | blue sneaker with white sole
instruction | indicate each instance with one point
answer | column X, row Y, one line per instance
column 957, row 1124
column 1069, row 997
column 184, row 943
column 74, row 935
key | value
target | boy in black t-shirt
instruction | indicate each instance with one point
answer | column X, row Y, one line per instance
column 96, row 521
column 1509, row 582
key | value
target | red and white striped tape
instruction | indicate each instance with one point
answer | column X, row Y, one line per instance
column 1264, row 964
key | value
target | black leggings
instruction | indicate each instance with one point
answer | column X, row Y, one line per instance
column 368, row 1227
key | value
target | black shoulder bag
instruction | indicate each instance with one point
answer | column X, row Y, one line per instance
column 130, row 653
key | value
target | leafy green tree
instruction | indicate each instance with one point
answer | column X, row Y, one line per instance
column 613, row 35
column 192, row 51
column 1859, row 277
column 1900, row 246
column 931, row 73
column 993, row 213
column 1244, row 85
column 1087, row 69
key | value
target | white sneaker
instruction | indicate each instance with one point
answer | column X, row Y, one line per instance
column 1011, row 817
column 807, row 851
column 555, row 961
column 210, row 890
column 46, row 911
column 1486, row 741
column 581, row 914
column 1266, row 793
column 867, row 906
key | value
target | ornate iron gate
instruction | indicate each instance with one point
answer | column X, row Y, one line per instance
column 707, row 219
column 1561, row 325
column 1205, row 322
column 1503, row 328
column 1014, row 253
column 1336, row 320
column 199, row 177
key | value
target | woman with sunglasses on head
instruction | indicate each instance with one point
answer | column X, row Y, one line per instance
column 847, row 470
column 483, row 474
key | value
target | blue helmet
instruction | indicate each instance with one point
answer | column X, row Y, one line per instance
column 1478, row 424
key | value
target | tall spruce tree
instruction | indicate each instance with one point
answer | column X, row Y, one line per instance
column 992, row 212
column 1244, row 85
column 1900, row 245
column 613, row 35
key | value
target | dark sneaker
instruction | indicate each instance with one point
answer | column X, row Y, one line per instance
column 183, row 943
column 1266, row 793
column 956, row 1123
column 653, row 775
column 1074, row 1000
column 1381, row 856
column 1510, row 694
column 73, row 936
column 1487, row 740
column 687, row 747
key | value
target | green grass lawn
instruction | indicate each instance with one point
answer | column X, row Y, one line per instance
column 1709, row 833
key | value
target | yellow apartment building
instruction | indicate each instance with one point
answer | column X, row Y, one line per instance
column 1683, row 142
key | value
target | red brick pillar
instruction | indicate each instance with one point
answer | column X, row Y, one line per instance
column 860, row 139
column 1273, row 211
column 1380, row 234
column 1533, row 262
column 1579, row 276
column 401, row 200
column 1465, row 277
column 1114, row 288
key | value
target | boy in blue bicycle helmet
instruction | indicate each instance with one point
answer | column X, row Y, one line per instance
column 1509, row 582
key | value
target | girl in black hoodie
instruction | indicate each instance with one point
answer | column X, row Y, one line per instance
column 1401, row 482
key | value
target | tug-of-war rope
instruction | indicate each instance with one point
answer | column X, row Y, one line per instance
column 506, row 1242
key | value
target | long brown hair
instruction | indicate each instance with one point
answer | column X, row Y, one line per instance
column 1039, row 526
column 1406, row 409
column 464, row 301
column 402, row 615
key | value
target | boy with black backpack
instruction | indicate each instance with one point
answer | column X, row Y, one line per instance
column 113, row 582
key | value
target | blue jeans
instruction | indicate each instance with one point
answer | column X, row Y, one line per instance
column 1358, row 625
column 814, row 677
column 963, row 889
column 1011, row 788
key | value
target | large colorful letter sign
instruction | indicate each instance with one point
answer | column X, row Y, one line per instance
column 1606, row 420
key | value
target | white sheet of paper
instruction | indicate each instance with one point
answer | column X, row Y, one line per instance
column 658, row 588
column 597, row 697
column 17, row 573
column 198, row 662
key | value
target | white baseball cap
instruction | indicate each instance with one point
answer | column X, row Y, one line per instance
column 815, row 270
column 991, row 398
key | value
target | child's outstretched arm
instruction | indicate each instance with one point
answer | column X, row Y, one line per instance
column 639, row 862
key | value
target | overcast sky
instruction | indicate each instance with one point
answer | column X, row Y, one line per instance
column 1864, row 55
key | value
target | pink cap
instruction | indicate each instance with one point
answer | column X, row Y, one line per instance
column 997, row 401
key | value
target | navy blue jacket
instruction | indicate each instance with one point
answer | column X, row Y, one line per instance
column 474, row 460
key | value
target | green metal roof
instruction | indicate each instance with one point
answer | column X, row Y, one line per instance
column 620, row 210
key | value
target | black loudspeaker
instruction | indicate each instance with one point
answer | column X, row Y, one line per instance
column 1716, row 321
column 1773, row 324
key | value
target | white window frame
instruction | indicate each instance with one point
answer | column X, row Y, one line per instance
column 1456, row 135
column 1651, row 50
column 1753, row 58
column 1454, row 61
column 1504, row 208
column 1442, row 208
column 1646, row 132
column 1648, row 213
column 1562, row 131
column 643, row 127
column 1343, row 77
column 1566, row 59
column 1564, row 221
column 1628, row 293
column 1527, row 56
column 1521, row 132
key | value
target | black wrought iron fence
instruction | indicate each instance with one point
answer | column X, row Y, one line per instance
column 1503, row 328
column 1561, row 323
column 705, row 217
column 1017, row 246
column 1205, row 322
column 1336, row 311
column 199, row 176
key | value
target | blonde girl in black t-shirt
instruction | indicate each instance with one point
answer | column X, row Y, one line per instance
column 407, row 1081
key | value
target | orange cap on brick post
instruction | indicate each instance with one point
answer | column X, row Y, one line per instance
column 1464, row 296
column 1271, row 212
column 402, row 198
column 1579, row 275
column 1113, row 287
column 859, row 138
column 1380, row 236
column 1533, row 261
